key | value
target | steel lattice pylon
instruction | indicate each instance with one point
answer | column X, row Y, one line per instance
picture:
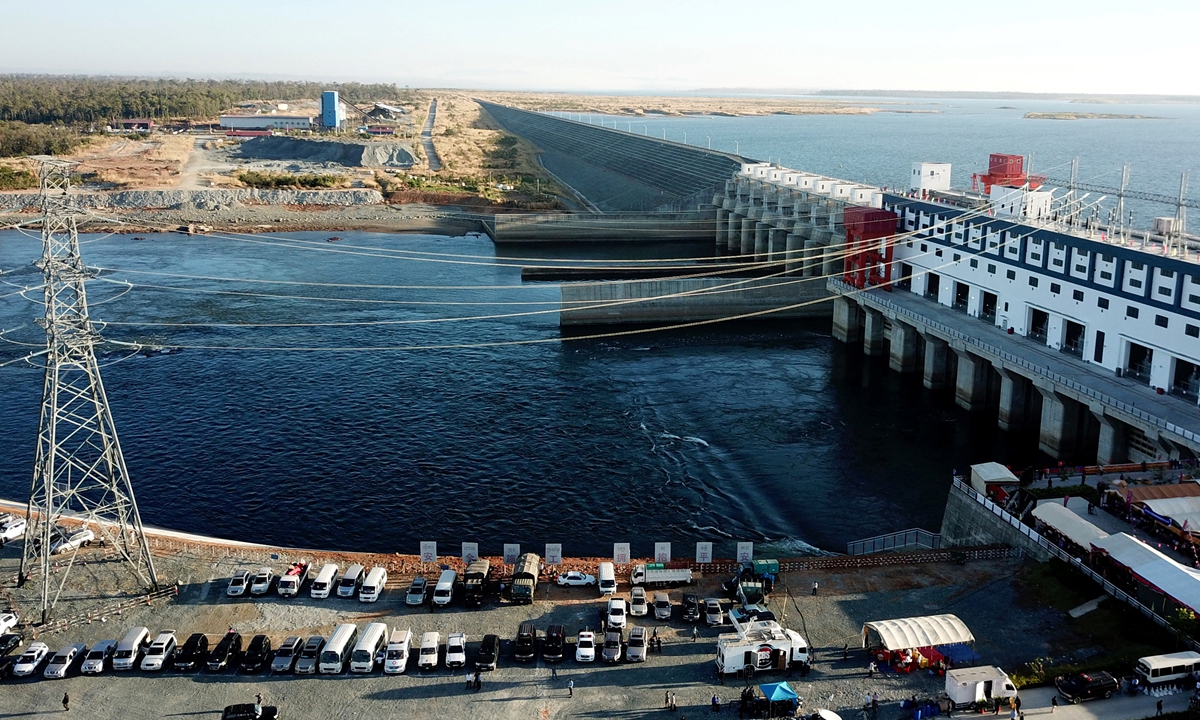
column 79, row 471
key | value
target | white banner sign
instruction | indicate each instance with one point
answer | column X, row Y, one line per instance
column 621, row 553
column 470, row 552
column 428, row 551
column 662, row 552
column 554, row 553
column 512, row 551
column 703, row 552
column 745, row 552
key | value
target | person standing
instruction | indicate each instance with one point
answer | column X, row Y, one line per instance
column 667, row 699
column 845, row 651
column 67, row 703
column 1053, row 702
column 1158, row 709
column 570, row 688
column 814, row 588
column 554, row 670
column 673, row 705
column 695, row 633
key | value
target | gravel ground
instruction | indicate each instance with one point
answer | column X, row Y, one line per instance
column 980, row 593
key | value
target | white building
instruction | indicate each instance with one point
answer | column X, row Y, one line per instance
column 1124, row 309
column 930, row 176
column 266, row 122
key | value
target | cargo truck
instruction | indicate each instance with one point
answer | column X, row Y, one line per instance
column 661, row 574
column 978, row 687
column 758, row 647
column 525, row 577
column 476, row 579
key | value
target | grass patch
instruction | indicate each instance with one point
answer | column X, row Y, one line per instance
column 18, row 139
column 271, row 181
column 1111, row 637
column 16, row 179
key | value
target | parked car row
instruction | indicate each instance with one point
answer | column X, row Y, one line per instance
column 356, row 580
column 63, row 539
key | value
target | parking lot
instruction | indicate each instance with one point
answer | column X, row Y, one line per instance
column 685, row 667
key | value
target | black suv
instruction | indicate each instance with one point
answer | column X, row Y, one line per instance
column 10, row 642
column 257, row 654
column 193, row 652
column 552, row 646
column 691, row 607
column 526, row 648
column 1086, row 686
column 225, row 652
column 489, row 652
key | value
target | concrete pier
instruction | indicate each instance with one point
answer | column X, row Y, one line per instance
column 902, row 356
column 970, row 387
column 747, row 234
column 1012, row 401
column 846, row 325
column 873, row 335
column 934, row 376
column 1113, row 441
column 1056, row 433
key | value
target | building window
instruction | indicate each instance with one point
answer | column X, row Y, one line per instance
column 1160, row 320
column 1135, row 283
column 1077, row 295
column 1166, row 274
column 1032, row 281
column 1055, row 288
column 924, row 247
column 958, row 257
column 1012, row 275
column 1192, row 330
column 1102, row 303
column 1034, row 257
column 1164, row 291
column 1137, row 266
column 938, row 253
column 1131, row 312
column 1194, row 299
column 1105, row 275
column 974, row 263
column 1057, row 262
column 992, row 268
column 1081, row 268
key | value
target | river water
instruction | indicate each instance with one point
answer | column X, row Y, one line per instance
column 771, row 432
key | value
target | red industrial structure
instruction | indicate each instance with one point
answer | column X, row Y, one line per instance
column 1005, row 171
column 868, row 246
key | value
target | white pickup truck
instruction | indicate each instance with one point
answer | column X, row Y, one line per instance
column 291, row 581
column 659, row 574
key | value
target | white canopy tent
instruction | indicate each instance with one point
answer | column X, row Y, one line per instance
column 918, row 632
column 1180, row 509
column 990, row 472
column 1179, row 582
column 1074, row 528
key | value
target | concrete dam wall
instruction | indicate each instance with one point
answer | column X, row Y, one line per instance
column 691, row 299
column 617, row 170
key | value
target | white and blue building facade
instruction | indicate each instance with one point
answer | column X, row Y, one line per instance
column 333, row 115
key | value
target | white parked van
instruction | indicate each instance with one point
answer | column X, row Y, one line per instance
column 1172, row 667
column 370, row 645
column 399, row 646
column 350, row 581
column 443, row 593
column 428, row 659
column 160, row 652
column 608, row 579
column 337, row 651
column 130, row 647
column 372, row 587
column 324, row 582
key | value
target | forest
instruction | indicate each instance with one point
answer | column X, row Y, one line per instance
column 76, row 100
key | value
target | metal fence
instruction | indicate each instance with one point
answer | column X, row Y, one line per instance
column 1007, row 357
column 914, row 537
column 1077, row 563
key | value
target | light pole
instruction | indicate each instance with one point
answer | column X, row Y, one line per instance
column 628, row 127
column 645, row 129
column 709, row 141
column 736, row 149
column 685, row 138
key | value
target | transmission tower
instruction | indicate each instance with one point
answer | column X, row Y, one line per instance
column 79, row 472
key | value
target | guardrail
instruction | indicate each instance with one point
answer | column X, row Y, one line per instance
column 845, row 289
column 1077, row 563
column 913, row 537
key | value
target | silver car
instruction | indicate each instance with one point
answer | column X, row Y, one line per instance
column 287, row 653
column 713, row 613
column 99, row 657
column 611, row 652
column 662, row 606
column 635, row 650
column 238, row 584
column 62, row 661
column 310, row 656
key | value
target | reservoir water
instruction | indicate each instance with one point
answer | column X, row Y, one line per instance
column 492, row 429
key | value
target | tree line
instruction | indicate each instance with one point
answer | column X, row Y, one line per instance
column 75, row 100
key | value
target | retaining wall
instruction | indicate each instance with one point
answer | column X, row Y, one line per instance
column 199, row 199
column 970, row 522
column 659, row 301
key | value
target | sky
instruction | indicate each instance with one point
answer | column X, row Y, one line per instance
column 1092, row 46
